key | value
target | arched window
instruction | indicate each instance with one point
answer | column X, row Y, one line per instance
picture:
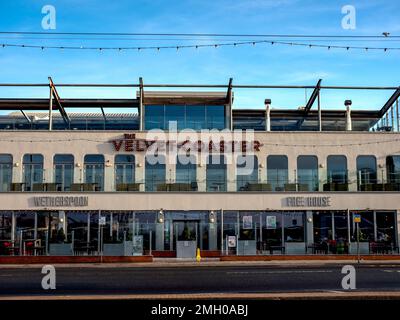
column 33, row 172
column 277, row 172
column 63, row 171
column 247, row 171
column 94, row 171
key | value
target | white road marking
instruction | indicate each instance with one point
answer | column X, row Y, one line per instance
column 280, row 272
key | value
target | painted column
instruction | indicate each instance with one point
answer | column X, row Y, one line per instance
column 212, row 233
column 309, row 228
column 398, row 227
column 109, row 179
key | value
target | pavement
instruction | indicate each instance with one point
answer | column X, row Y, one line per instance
column 209, row 262
column 204, row 280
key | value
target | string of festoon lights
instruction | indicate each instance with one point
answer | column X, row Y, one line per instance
column 199, row 46
column 313, row 145
column 219, row 40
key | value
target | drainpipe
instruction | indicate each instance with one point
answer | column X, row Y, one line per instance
column 267, row 115
column 348, row 103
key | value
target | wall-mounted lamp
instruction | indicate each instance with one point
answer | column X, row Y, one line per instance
column 211, row 217
column 381, row 165
column 16, row 164
column 261, row 165
column 108, row 163
column 200, row 165
column 160, row 216
column 321, row 165
column 78, row 165
column 139, row 165
column 309, row 220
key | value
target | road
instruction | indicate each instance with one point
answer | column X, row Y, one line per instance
column 117, row 280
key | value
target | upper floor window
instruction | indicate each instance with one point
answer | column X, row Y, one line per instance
column 366, row 172
column 307, row 173
column 277, row 172
column 94, row 171
column 337, row 169
column 393, row 169
column 247, row 172
column 124, row 171
column 186, row 173
column 216, row 175
column 155, row 173
column 6, row 164
column 195, row 117
column 63, row 171
column 32, row 166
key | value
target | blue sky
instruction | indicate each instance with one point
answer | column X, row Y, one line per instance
column 260, row 64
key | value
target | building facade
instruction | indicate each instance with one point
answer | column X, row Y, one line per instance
column 188, row 171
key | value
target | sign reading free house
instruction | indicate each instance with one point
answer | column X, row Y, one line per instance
column 307, row 201
column 80, row 201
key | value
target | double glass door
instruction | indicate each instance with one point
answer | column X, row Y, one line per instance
column 186, row 231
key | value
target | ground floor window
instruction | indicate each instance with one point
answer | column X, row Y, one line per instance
column 167, row 232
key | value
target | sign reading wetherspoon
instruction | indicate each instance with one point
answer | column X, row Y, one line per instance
column 307, row 201
column 129, row 143
column 80, row 201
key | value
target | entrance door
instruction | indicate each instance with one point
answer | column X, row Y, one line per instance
column 186, row 235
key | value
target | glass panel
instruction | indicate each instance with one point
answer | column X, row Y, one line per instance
column 366, row 228
column 33, row 170
column 393, row 169
column 294, row 226
column 5, row 226
column 272, row 229
column 186, row 230
column 177, row 114
column 341, row 226
column 6, row 166
column 94, row 171
column 154, row 117
column 386, row 231
column 247, row 172
column 155, row 173
column 25, row 225
column 186, row 169
column 322, row 226
column 366, row 171
column 124, row 171
column 277, row 172
column 216, row 176
column 43, row 219
column 196, row 117
column 307, row 173
column 64, row 171
column 248, row 223
column 78, row 223
column 215, row 117
column 337, row 169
